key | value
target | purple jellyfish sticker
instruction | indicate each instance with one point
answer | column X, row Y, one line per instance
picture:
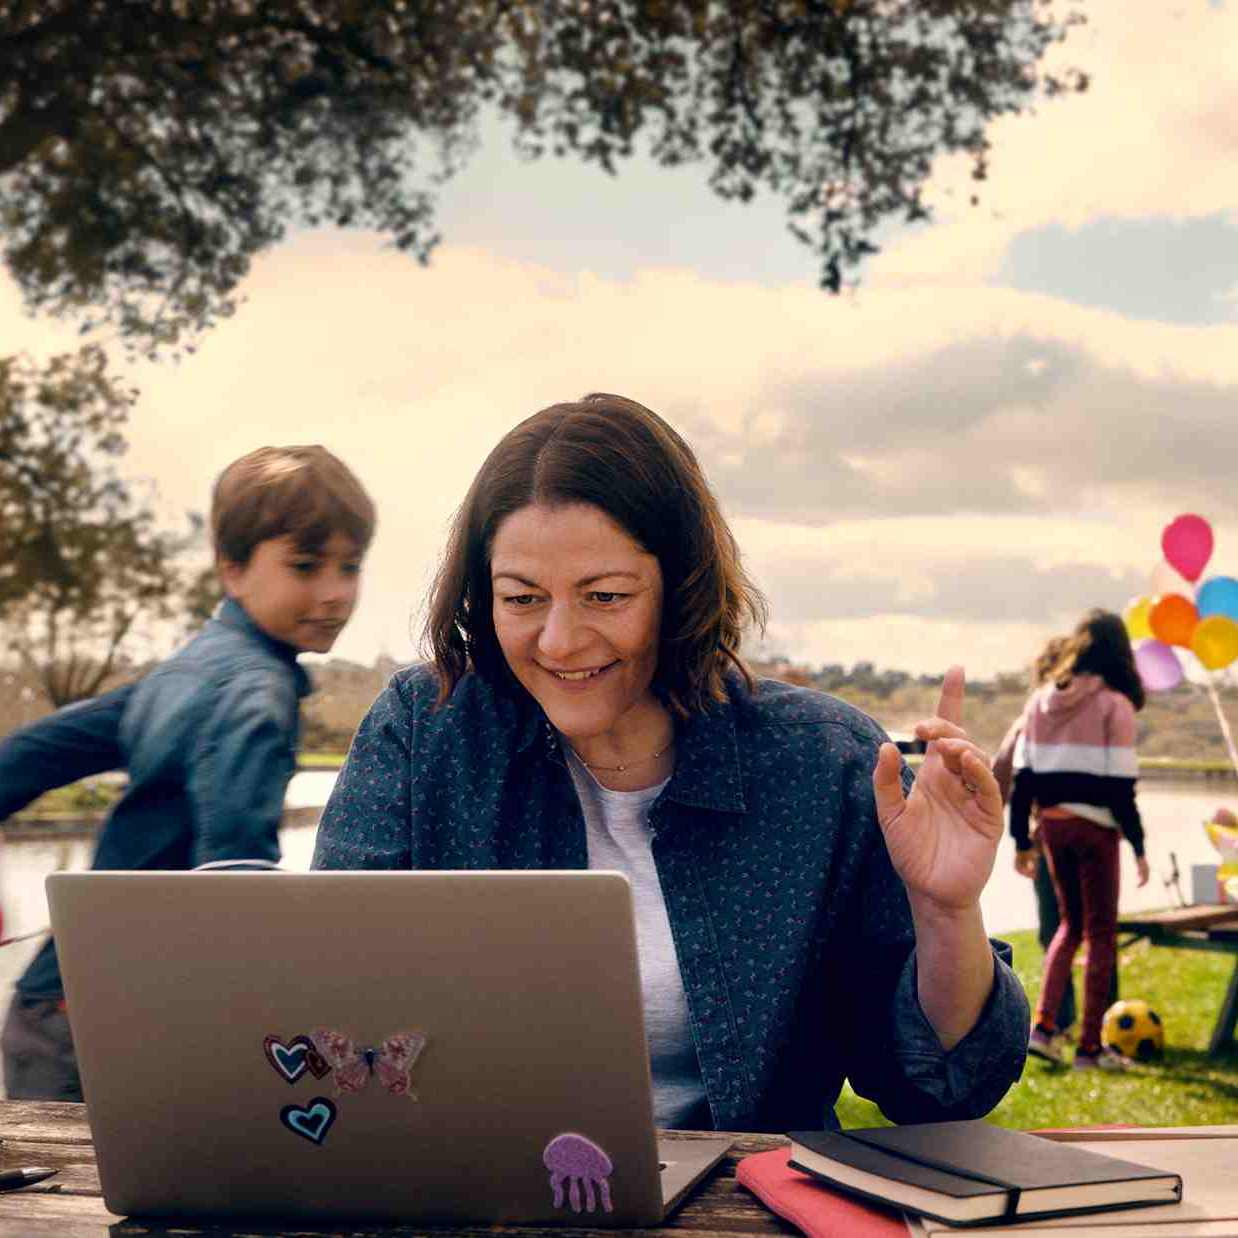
column 578, row 1161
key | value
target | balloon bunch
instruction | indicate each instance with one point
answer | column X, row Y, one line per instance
column 1203, row 621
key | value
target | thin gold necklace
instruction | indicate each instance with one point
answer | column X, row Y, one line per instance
column 623, row 769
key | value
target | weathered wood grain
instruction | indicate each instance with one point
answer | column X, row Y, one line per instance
column 71, row 1206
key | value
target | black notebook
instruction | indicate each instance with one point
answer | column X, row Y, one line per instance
column 966, row 1173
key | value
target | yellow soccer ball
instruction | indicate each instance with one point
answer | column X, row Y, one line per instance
column 1134, row 1029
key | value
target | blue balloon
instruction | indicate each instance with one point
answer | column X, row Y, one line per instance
column 1218, row 596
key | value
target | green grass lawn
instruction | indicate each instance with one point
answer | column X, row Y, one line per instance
column 78, row 799
column 1184, row 1088
column 93, row 796
column 320, row 760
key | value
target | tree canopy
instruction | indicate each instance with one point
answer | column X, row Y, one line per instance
column 81, row 558
column 150, row 148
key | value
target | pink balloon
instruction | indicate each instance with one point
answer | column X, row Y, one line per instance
column 1187, row 543
column 1158, row 666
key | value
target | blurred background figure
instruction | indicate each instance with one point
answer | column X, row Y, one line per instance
column 1074, row 760
column 209, row 736
column 1047, row 917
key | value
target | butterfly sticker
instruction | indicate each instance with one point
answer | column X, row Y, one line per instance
column 392, row 1061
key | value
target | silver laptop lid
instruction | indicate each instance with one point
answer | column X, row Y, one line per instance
column 450, row 1046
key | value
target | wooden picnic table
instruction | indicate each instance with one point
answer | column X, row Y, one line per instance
column 70, row 1205
column 1201, row 927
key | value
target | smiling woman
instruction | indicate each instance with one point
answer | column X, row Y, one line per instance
column 577, row 606
column 804, row 912
column 615, row 594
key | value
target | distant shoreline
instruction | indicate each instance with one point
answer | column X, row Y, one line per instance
column 1183, row 767
column 66, row 825
column 1162, row 769
column 50, row 827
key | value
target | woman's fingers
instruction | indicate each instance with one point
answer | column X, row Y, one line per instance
column 948, row 721
column 950, row 703
column 938, row 728
column 976, row 773
column 952, row 751
column 888, row 784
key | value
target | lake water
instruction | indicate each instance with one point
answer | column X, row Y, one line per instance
column 1173, row 813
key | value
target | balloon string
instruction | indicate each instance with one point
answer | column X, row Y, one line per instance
column 1225, row 731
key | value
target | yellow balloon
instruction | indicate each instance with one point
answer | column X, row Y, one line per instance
column 1215, row 641
column 1135, row 616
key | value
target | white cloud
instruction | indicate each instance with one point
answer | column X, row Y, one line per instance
column 1154, row 134
column 1037, row 507
column 411, row 375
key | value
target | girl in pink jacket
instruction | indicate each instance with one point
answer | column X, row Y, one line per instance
column 1075, row 760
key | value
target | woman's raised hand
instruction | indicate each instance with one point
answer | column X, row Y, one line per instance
column 943, row 837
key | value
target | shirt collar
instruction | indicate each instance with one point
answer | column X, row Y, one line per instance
column 707, row 772
column 233, row 615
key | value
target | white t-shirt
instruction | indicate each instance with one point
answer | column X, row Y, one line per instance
column 618, row 838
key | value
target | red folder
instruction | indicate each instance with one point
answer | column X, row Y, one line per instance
column 810, row 1205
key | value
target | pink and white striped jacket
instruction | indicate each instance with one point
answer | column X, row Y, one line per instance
column 1076, row 750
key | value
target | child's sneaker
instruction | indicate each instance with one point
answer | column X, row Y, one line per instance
column 1049, row 1048
column 1106, row 1059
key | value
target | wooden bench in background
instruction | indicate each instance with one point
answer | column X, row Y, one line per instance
column 1201, row 927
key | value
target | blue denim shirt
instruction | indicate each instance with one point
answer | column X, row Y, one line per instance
column 74, row 742
column 792, row 930
column 209, row 738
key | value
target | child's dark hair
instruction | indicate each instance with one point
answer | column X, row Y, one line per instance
column 304, row 493
column 1100, row 645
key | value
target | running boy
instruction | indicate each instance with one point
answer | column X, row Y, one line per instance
column 209, row 737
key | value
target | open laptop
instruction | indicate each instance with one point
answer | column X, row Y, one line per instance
column 445, row 1047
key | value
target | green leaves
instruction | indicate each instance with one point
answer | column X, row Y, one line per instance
column 81, row 558
column 149, row 151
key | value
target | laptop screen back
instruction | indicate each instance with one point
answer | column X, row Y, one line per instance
column 251, row 1044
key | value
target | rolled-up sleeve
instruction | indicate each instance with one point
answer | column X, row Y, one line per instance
column 895, row 1057
column 970, row 1079
column 366, row 823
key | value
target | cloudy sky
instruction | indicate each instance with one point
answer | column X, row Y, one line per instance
column 950, row 464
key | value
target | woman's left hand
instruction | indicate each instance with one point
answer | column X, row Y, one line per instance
column 943, row 837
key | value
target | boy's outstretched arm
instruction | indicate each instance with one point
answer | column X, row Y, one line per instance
column 74, row 742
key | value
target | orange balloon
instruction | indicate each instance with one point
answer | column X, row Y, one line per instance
column 1173, row 620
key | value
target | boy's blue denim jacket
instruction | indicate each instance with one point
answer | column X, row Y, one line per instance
column 74, row 742
column 792, row 930
column 209, row 738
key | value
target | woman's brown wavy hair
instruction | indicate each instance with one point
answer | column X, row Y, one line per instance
column 616, row 455
column 1100, row 645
